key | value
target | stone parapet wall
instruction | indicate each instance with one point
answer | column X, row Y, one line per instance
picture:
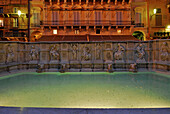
column 85, row 56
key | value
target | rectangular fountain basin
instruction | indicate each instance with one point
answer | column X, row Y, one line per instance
column 85, row 90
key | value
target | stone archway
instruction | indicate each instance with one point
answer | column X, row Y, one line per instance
column 35, row 35
column 139, row 35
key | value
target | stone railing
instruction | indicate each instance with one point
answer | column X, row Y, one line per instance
column 85, row 56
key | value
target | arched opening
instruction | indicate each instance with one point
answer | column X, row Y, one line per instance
column 139, row 35
column 35, row 35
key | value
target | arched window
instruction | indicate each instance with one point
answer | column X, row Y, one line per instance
column 139, row 16
column 139, row 35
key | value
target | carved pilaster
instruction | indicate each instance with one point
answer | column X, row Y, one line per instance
column 87, row 1
column 115, row 2
column 50, row 2
column 71, row 2
column 79, row 2
column 94, row 2
column 101, row 2
column 58, row 2
column 123, row 2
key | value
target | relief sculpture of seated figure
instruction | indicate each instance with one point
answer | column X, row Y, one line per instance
column 86, row 54
column 54, row 53
column 119, row 52
column 140, row 52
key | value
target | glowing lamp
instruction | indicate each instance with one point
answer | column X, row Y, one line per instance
column 54, row 31
column 1, row 22
column 154, row 11
column 168, row 27
column 119, row 31
column 19, row 13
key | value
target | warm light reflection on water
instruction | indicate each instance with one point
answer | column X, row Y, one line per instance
column 86, row 90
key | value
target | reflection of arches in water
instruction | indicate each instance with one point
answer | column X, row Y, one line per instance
column 139, row 35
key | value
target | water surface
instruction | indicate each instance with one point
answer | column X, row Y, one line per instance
column 86, row 90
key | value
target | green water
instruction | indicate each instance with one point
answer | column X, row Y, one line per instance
column 86, row 90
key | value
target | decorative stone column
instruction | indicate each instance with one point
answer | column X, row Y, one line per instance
column 102, row 28
column 87, row 28
column 94, row 2
column 101, row 2
column 79, row 2
column 65, row 1
column 58, row 2
column 50, row 2
column 115, row 2
column 123, row 2
column 108, row 1
column 87, row 1
column 130, row 1
column 79, row 28
column 109, row 28
column 71, row 2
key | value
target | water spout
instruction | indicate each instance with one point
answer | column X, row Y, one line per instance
column 63, row 68
column 133, row 67
column 109, row 68
column 40, row 68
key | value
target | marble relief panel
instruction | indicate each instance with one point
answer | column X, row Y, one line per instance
column 98, row 51
column 86, row 52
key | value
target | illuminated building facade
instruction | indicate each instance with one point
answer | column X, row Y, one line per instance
column 13, row 22
column 89, row 19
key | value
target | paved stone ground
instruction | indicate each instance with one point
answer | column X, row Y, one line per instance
column 12, row 110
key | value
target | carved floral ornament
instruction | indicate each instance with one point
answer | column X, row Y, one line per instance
column 164, row 51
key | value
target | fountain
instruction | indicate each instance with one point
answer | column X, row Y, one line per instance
column 86, row 56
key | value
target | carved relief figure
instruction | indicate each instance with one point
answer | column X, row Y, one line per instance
column 98, row 51
column 140, row 52
column 108, row 56
column 164, row 51
column 34, row 53
column 74, row 51
column 54, row 54
column 119, row 53
column 9, row 54
column 86, row 54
